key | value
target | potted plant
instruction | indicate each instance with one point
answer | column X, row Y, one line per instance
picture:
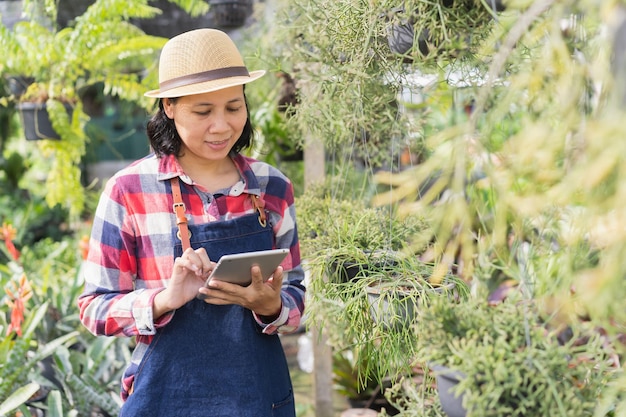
column 353, row 251
column 51, row 363
column 449, row 28
column 371, row 328
column 395, row 296
column 100, row 46
column 345, row 238
column 231, row 13
column 508, row 359
column 541, row 146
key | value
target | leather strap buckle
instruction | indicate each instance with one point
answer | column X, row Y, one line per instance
column 179, row 210
column 259, row 205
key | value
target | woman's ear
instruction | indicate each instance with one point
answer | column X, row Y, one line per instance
column 168, row 107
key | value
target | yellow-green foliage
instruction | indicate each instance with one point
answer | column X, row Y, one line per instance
column 63, row 180
column 101, row 46
column 529, row 189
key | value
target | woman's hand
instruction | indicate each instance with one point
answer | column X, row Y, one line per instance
column 190, row 273
column 261, row 297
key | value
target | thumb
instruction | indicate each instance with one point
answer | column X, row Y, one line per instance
column 277, row 279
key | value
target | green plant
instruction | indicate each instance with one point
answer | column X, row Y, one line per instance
column 549, row 192
column 276, row 142
column 512, row 358
column 75, row 383
column 347, row 379
column 18, row 398
column 56, row 279
column 88, row 376
column 20, row 356
column 547, row 91
column 340, row 235
column 382, row 350
column 337, row 225
column 341, row 54
column 101, row 46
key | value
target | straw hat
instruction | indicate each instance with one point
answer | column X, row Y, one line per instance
column 200, row 61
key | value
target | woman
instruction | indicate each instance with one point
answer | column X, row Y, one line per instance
column 201, row 351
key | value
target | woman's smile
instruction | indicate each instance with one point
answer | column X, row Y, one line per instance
column 218, row 144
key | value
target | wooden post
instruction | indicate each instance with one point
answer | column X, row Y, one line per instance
column 314, row 171
column 314, row 162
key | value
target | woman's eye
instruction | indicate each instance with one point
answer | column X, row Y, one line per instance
column 208, row 112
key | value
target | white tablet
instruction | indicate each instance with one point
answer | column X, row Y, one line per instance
column 235, row 268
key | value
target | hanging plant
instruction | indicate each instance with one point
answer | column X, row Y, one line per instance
column 440, row 30
column 230, row 13
column 36, row 120
column 101, row 46
column 518, row 362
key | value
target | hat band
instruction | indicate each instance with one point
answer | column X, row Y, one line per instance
column 201, row 77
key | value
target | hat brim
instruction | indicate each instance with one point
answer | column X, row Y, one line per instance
column 205, row 87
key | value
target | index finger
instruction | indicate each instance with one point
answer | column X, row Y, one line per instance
column 205, row 262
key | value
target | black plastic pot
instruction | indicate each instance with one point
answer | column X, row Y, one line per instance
column 230, row 13
column 18, row 85
column 401, row 36
column 36, row 122
column 497, row 5
column 401, row 39
column 350, row 270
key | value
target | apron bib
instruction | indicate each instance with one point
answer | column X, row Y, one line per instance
column 214, row 360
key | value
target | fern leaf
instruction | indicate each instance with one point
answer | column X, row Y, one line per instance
column 193, row 7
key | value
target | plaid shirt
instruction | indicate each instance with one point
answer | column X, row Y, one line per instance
column 131, row 250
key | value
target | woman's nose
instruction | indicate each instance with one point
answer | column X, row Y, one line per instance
column 219, row 123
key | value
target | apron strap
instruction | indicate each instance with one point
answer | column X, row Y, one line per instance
column 179, row 211
column 259, row 205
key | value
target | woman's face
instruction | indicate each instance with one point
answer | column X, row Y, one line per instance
column 209, row 124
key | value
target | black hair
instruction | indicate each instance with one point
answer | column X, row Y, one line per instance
column 165, row 140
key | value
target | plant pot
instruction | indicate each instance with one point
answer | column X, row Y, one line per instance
column 347, row 270
column 447, row 379
column 230, row 13
column 395, row 306
column 36, row 121
column 375, row 404
column 497, row 5
column 290, row 153
column 400, row 38
column 18, row 85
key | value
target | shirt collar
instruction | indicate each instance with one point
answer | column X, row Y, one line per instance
column 170, row 168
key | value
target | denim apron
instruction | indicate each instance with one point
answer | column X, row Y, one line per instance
column 214, row 360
